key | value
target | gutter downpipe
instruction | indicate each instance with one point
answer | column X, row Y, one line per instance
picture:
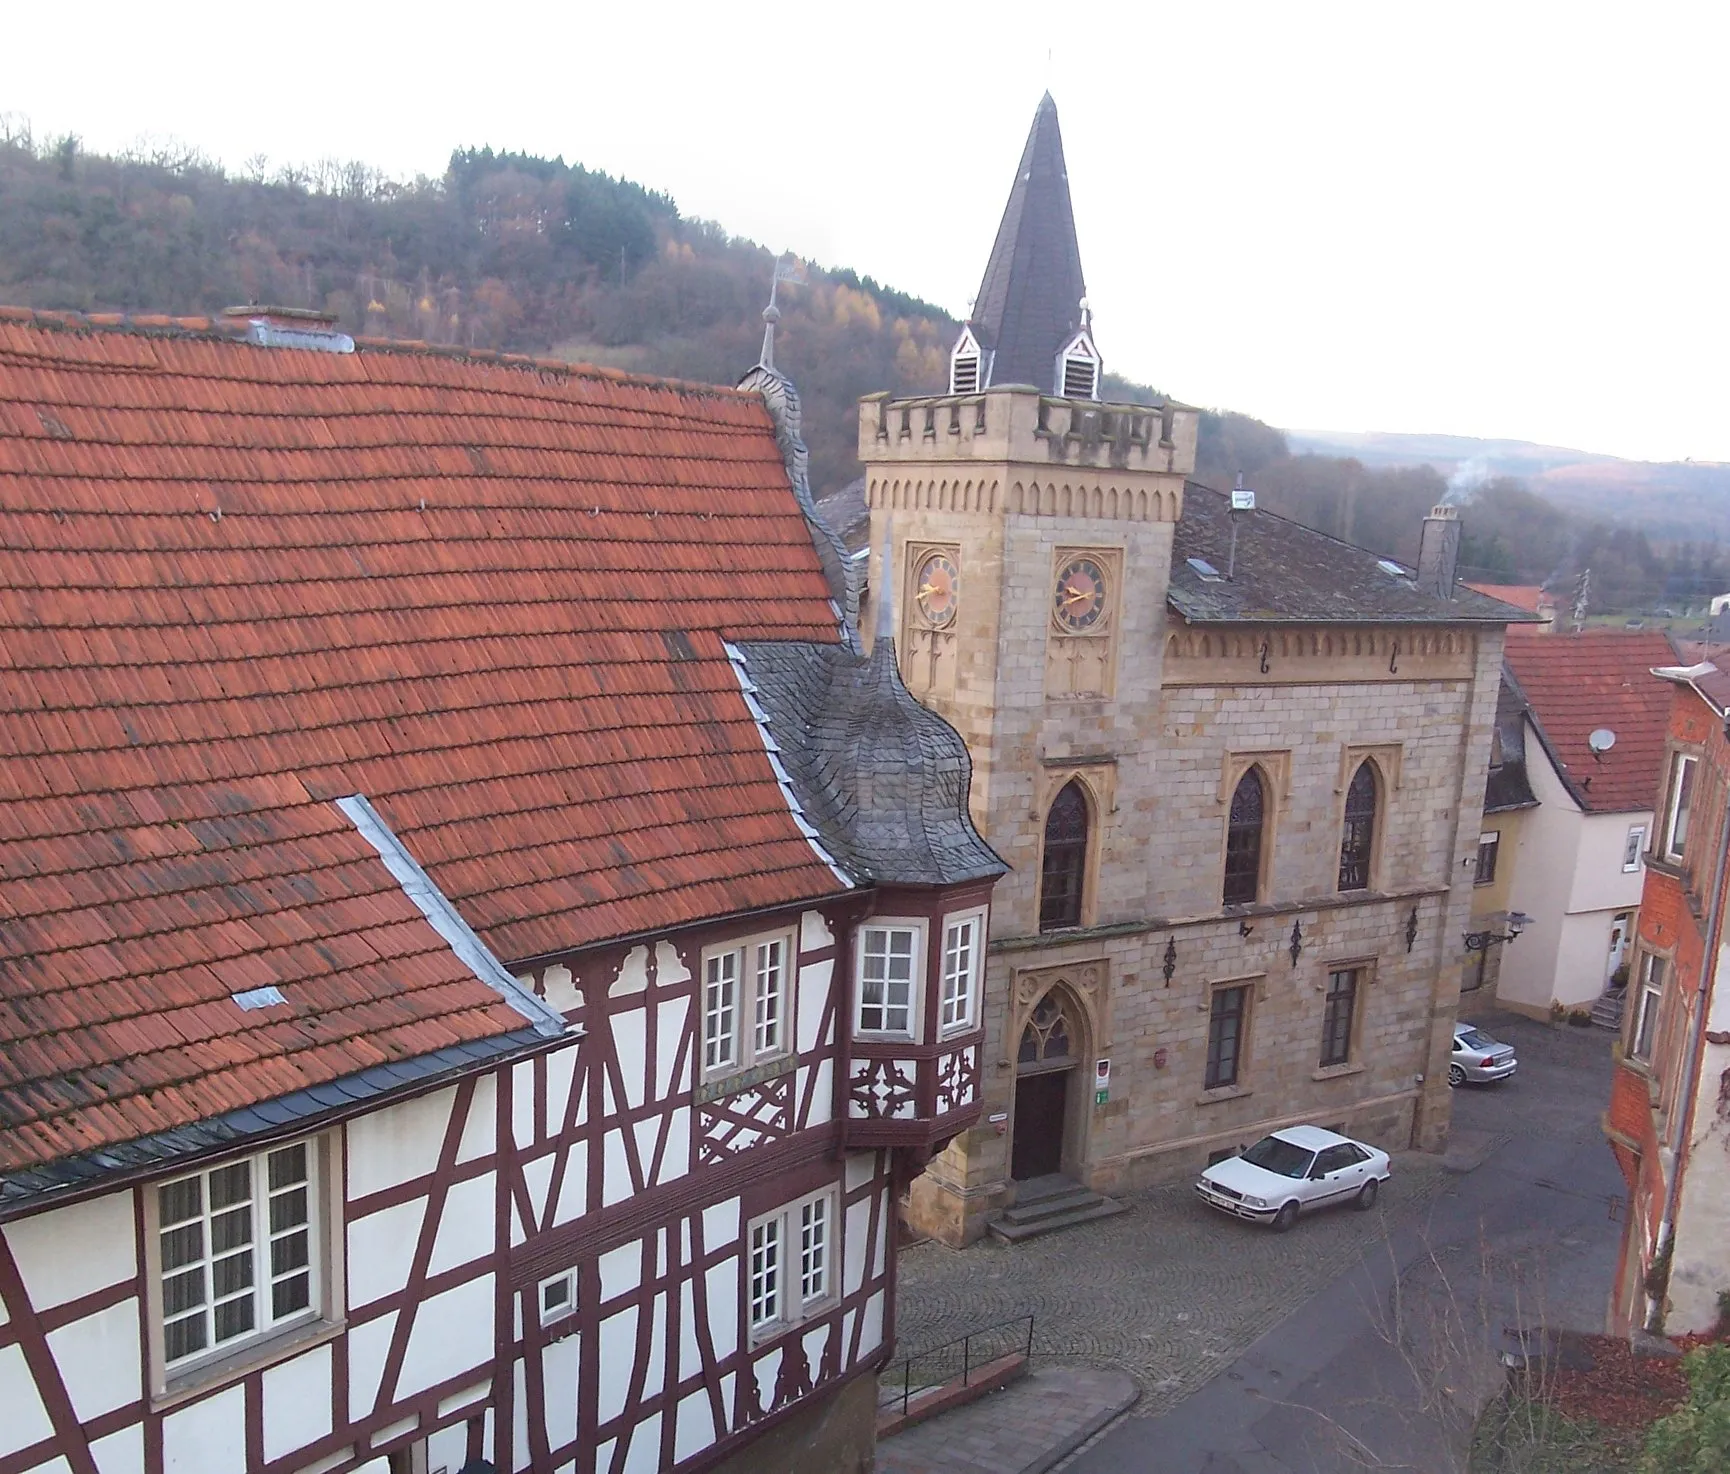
column 1685, row 1117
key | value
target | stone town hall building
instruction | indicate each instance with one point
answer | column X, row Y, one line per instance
column 1235, row 765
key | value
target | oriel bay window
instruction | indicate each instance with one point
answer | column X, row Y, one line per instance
column 888, row 977
column 237, row 1254
column 747, row 998
column 958, row 1007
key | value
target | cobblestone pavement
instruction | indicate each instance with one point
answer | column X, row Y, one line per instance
column 1024, row 1429
column 1172, row 1293
column 1168, row 1292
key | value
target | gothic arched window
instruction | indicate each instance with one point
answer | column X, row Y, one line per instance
column 1360, row 830
column 1065, row 868
column 1243, row 837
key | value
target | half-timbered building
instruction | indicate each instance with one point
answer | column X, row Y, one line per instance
column 481, row 947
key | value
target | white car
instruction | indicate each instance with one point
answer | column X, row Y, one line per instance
column 1479, row 1058
column 1293, row 1170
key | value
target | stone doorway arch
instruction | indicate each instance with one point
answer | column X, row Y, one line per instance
column 1049, row 1126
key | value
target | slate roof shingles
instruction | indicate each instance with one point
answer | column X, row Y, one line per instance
column 237, row 583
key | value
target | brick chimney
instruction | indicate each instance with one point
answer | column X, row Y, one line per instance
column 1439, row 551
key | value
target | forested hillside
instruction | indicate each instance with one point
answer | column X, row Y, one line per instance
column 503, row 251
column 511, row 251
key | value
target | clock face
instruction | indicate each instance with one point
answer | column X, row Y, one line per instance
column 938, row 590
column 1079, row 601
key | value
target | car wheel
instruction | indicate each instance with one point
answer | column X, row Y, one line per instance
column 1367, row 1195
column 1284, row 1219
column 1456, row 1075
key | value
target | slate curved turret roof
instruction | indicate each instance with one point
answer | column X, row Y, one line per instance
column 882, row 779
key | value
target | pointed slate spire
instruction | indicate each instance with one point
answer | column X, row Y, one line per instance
column 1029, row 305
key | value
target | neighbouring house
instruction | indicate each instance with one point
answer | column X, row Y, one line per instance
column 1667, row 1122
column 482, row 949
column 1531, row 597
column 1508, row 804
column 1237, row 766
column 1594, row 744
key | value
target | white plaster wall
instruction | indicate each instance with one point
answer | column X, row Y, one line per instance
column 452, row 1333
column 396, row 1144
column 1582, row 955
column 26, row 1420
column 1542, row 885
column 75, row 1250
column 206, row 1435
column 297, row 1402
column 98, row 1358
column 1600, row 884
column 381, row 1251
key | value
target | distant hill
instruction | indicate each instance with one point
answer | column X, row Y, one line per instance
column 1668, row 500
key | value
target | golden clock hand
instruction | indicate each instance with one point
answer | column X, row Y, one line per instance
column 1076, row 596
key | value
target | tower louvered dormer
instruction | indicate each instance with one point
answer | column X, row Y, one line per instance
column 1030, row 324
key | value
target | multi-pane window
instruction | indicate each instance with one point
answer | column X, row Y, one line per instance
column 745, row 1003
column 791, row 1257
column 1243, row 839
column 960, row 967
column 1489, row 846
column 1636, row 842
column 766, row 1288
column 1338, row 1013
column 814, row 1249
column 887, row 957
column 1063, row 872
column 237, row 1251
column 1646, row 1009
column 1225, row 1035
column 720, row 1010
column 1681, row 793
column 1360, row 830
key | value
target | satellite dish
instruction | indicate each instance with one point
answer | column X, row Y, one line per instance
column 1601, row 741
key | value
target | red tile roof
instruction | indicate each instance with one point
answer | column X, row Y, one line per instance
column 236, row 583
column 1520, row 595
column 1576, row 683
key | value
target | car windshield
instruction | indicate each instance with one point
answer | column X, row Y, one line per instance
column 1477, row 1039
column 1274, row 1155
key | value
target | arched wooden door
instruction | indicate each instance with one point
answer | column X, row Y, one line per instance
column 1045, row 1074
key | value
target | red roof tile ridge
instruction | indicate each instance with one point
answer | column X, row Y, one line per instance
column 234, row 330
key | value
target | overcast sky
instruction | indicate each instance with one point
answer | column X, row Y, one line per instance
column 1500, row 220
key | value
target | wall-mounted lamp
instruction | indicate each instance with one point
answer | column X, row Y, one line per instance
column 1481, row 941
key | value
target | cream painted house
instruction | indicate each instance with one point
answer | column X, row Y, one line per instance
column 1580, row 864
column 1508, row 808
column 1236, row 766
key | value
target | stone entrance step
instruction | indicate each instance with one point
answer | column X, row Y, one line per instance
column 1607, row 1011
column 1046, row 1204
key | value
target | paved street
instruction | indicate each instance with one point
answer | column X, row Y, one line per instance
column 1358, row 1340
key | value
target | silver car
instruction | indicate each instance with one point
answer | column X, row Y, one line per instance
column 1293, row 1170
column 1478, row 1058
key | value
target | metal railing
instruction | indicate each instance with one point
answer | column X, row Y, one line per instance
column 954, row 1361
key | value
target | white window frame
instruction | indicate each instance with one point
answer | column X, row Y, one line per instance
column 736, row 1034
column 323, row 1266
column 567, row 1282
column 1632, row 847
column 958, row 1007
column 1647, row 1005
column 790, row 1275
column 915, row 990
column 1682, row 765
